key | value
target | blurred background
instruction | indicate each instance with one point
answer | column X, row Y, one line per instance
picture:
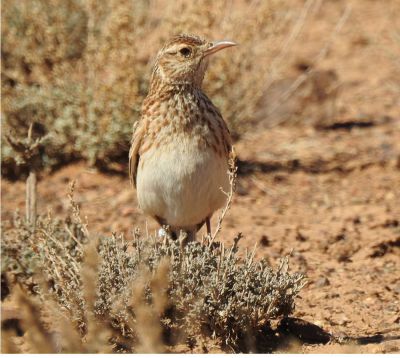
column 79, row 69
column 312, row 98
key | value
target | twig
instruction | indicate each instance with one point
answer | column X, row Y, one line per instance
column 76, row 209
column 72, row 236
column 31, row 198
column 31, row 187
column 261, row 186
column 229, row 195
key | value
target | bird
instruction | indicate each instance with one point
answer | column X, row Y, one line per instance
column 181, row 145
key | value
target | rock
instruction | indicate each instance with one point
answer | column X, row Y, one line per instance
column 322, row 282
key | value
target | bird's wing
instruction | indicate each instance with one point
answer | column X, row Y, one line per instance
column 137, row 136
column 223, row 127
column 226, row 135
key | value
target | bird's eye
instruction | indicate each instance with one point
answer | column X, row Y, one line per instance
column 185, row 51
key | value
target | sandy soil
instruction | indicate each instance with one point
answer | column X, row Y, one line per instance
column 325, row 190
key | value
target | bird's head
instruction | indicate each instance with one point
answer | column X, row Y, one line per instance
column 184, row 60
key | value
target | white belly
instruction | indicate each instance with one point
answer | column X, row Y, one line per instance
column 181, row 183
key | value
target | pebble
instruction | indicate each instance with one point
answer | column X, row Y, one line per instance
column 322, row 282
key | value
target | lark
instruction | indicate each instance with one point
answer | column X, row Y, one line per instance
column 178, row 161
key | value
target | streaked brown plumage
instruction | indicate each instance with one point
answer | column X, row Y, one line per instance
column 178, row 160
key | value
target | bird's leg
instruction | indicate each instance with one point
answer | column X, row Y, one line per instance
column 192, row 235
column 208, row 223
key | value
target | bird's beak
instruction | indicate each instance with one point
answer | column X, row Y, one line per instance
column 217, row 46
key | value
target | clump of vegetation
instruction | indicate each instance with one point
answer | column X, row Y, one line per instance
column 210, row 290
column 79, row 69
column 70, row 68
column 143, row 295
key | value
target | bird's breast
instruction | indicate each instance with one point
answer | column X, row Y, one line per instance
column 180, row 180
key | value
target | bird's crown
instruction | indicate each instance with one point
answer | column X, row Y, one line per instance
column 183, row 60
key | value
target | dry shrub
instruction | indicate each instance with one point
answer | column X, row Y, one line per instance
column 42, row 44
column 73, row 75
column 141, row 295
column 79, row 69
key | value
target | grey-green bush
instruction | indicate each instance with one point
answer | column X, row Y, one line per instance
column 190, row 292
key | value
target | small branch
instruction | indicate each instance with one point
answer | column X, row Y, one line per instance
column 76, row 209
column 31, row 198
column 232, row 183
column 31, row 187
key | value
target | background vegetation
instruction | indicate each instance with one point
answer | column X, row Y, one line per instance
column 79, row 69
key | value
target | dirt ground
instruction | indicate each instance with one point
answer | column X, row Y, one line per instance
column 327, row 191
